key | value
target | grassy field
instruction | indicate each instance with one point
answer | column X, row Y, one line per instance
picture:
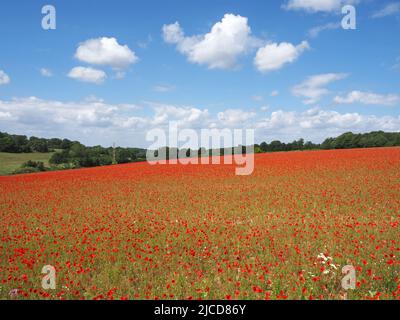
column 11, row 161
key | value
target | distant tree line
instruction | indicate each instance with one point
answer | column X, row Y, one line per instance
column 73, row 154
column 78, row 155
column 22, row 144
column 350, row 140
column 276, row 145
column 347, row 140
column 67, row 153
column 174, row 153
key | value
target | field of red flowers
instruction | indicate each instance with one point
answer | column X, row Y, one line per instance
column 138, row 231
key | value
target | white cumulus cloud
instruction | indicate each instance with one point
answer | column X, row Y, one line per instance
column 221, row 48
column 313, row 88
column 316, row 124
column 274, row 56
column 234, row 117
column 94, row 121
column 107, row 52
column 173, row 33
column 87, row 74
column 368, row 98
column 183, row 115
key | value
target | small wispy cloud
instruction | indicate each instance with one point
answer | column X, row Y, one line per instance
column 313, row 6
column 389, row 10
column 145, row 44
column 4, row 78
column 314, row 32
column 164, row 88
column 396, row 65
column 314, row 87
column 46, row 72
column 257, row 98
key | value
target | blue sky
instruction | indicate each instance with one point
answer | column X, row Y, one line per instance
column 111, row 70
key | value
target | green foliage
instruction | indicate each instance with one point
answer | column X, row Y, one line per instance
column 25, row 170
column 257, row 149
column 38, row 145
column 13, row 143
column 34, row 164
column 66, row 144
column 347, row 140
column 78, row 155
column 125, row 155
column 7, row 144
column 276, row 145
column 59, row 157
column 30, row 167
column 55, row 143
column 350, row 140
column 21, row 144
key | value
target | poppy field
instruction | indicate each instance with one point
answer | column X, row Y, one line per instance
column 141, row 231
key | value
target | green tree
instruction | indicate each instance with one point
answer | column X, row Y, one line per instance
column 38, row 145
column 264, row 146
column 124, row 155
column 7, row 144
column 60, row 157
